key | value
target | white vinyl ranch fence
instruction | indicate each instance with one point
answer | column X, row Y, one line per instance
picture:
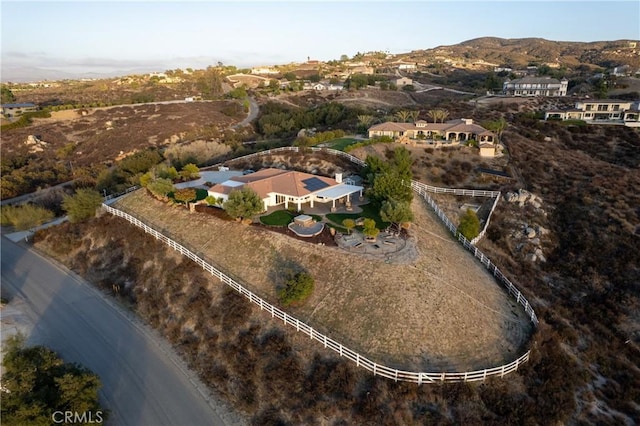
column 343, row 351
column 360, row 361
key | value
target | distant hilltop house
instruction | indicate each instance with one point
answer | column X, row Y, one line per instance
column 280, row 187
column 405, row 66
column 459, row 130
column 535, row 86
column 16, row 110
column 602, row 111
column 404, row 81
column 264, row 70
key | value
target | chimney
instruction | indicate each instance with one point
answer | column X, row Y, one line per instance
column 339, row 177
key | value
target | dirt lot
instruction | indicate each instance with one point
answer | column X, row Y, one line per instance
column 443, row 312
column 103, row 134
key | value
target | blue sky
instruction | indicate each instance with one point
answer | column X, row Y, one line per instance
column 105, row 37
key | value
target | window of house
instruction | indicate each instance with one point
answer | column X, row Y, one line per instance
column 603, row 107
column 589, row 107
column 616, row 107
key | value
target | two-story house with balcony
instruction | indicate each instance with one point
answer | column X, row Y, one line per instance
column 16, row 110
column 535, row 86
column 602, row 111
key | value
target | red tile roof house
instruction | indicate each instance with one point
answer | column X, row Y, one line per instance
column 459, row 130
column 281, row 187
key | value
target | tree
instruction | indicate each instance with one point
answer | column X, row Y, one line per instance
column 413, row 116
column 438, row 114
column 402, row 116
column 190, row 171
column 369, row 228
column 159, row 188
column 344, row 58
column 243, row 203
column 297, row 289
column 209, row 82
column 185, row 195
column 401, row 161
column 36, row 383
column 496, row 126
column 82, row 205
column 469, row 225
column 390, row 179
column 238, row 93
column 349, row 224
column 7, row 95
column 365, row 121
column 396, row 212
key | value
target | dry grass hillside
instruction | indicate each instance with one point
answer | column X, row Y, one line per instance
column 103, row 134
column 394, row 313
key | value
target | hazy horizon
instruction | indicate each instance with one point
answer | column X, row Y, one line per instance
column 104, row 39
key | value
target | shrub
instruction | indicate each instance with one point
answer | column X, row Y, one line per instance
column 297, row 289
column 369, row 229
column 469, row 225
column 25, row 216
column 349, row 224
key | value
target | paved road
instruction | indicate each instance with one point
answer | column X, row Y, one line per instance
column 143, row 381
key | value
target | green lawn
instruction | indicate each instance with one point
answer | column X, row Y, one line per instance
column 283, row 218
column 368, row 211
column 340, row 144
column 277, row 218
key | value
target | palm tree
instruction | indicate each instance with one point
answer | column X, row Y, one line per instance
column 443, row 115
column 403, row 116
column 438, row 114
column 413, row 116
column 365, row 121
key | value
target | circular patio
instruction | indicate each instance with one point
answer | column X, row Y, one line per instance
column 305, row 226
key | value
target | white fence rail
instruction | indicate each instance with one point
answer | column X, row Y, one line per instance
column 361, row 361
column 417, row 186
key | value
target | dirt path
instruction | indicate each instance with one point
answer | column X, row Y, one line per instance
column 444, row 311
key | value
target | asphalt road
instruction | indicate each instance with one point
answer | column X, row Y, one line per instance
column 143, row 381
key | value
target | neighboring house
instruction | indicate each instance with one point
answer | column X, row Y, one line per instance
column 459, row 130
column 608, row 111
column 264, row 70
column 405, row 66
column 404, row 81
column 281, row 187
column 535, row 86
column 319, row 87
column 16, row 110
column 336, row 87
